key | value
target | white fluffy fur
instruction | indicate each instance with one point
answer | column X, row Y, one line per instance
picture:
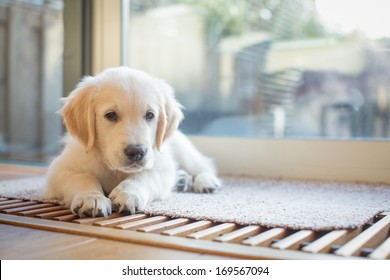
column 92, row 175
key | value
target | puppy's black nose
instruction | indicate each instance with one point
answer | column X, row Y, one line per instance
column 135, row 152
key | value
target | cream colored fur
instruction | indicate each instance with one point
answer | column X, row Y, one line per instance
column 93, row 175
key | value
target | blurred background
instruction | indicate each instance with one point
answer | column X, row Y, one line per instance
column 302, row 69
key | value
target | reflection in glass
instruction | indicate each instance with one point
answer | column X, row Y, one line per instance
column 270, row 68
column 31, row 59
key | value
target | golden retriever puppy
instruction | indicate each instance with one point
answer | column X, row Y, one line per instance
column 123, row 150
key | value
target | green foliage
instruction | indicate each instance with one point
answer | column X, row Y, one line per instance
column 226, row 17
column 287, row 18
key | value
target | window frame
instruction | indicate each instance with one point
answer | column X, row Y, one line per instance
column 335, row 160
column 106, row 34
column 339, row 160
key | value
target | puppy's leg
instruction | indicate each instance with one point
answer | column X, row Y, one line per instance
column 131, row 195
column 139, row 190
column 82, row 193
column 136, row 193
column 196, row 164
column 184, row 181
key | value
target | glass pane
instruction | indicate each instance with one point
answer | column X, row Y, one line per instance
column 31, row 49
column 270, row 68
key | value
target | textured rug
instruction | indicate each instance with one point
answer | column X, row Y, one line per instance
column 267, row 202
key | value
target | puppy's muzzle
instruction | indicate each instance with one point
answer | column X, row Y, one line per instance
column 135, row 153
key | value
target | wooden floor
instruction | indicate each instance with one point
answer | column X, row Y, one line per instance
column 26, row 243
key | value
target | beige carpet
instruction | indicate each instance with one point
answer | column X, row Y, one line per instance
column 267, row 202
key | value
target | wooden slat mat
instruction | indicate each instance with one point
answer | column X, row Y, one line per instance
column 251, row 241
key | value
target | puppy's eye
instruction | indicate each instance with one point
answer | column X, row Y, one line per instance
column 149, row 116
column 111, row 116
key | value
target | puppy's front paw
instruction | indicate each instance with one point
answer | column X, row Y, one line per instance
column 128, row 198
column 91, row 204
column 206, row 183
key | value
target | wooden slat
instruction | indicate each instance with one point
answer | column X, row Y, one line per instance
column 10, row 201
column 238, row 235
column 26, row 208
column 324, row 243
column 90, row 221
column 142, row 223
column 53, row 214
column 16, row 205
column 3, row 199
column 294, row 241
column 265, row 238
column 173, row 242
column 371, row 237
column 42, row 210
column 382, row 252
column 213, row 232
column 184, row 230
column 66, row 218
column 165, row 226
column 383, row 214
column 116, row 221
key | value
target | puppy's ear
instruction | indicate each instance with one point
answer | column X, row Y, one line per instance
column 170, row 114
column 79, row 115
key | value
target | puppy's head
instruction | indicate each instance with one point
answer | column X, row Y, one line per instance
column 124, row 115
